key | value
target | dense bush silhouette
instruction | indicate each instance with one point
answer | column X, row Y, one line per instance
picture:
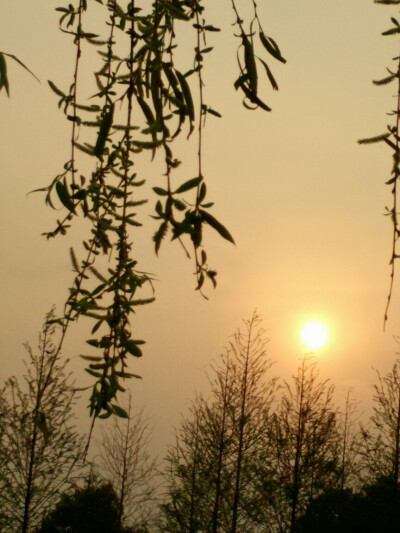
column 374, row 509
column 93, row 509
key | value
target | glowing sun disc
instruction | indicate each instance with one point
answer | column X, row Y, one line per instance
column 314, row 335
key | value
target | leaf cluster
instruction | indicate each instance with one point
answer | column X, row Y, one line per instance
column 248, row 59
column 144, row 101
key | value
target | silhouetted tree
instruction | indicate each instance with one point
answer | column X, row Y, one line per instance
column 381, row 439
column 349, row 444
column 249, row 414
column 188, row 505
column 211, row 467
column 4, row 450
column 41, row 446
column 305, row 438
column 217, row 415
column 126, row 464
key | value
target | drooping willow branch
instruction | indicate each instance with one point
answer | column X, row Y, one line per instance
column 144, row 102
column 392, row 140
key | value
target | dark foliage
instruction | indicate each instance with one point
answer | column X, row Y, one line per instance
column 93, row 509
column 375, row 509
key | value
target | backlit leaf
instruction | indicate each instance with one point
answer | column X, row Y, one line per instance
column 213, row 222
column 63, row 194
column 103, row 132
column 190, row 184
column 271, row 47
column 132, row 348
column 3, row 75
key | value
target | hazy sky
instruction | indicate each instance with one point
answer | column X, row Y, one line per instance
column 303, row 201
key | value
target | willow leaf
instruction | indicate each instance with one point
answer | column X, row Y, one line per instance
column 376, row 139
column 270, row 75
column 84, row 148
column 3, row 75
column 186, row 94
column 103, row 132
column 250, row 63
column 213, row 222
column 55, row 89
column 22, row 64
column 159, row 235
column 93, row 373
column 385, row 81
column 119, row 411
column 94, row 358
column 190, row 184
column 74, row 260
column 63, row 195
column 131, row 347
column 271, row 47
column 213, row 112
column 392, row 31
column 160, row 191
column 254, row 99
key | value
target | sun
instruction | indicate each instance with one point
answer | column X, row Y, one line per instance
column 314, row 335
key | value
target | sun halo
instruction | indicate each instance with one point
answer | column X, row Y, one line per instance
column 314, row 335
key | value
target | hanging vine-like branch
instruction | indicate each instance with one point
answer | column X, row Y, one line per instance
column 392, row 139
column 144, row 101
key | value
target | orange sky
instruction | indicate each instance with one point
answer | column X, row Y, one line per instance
column 303, row 201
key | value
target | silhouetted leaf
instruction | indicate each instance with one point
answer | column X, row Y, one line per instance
column 371, row 140
column 93, row 373
column 93, row 342
column 119, row 411
column 250, row 62
column 94, row 358
column 385, row 81
column 103, row 132
column 254, row 99
column 391, row 31
column 22, row 64
column 187, row 95
column 3, row 75
column 190, row 184
column 55, row 89
column 270, row 76
column 213, row 222
column 132, row 348
column 160, row 191
column 213, row 112
column 63, row 194
column 202, row 193
column 271, row 47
